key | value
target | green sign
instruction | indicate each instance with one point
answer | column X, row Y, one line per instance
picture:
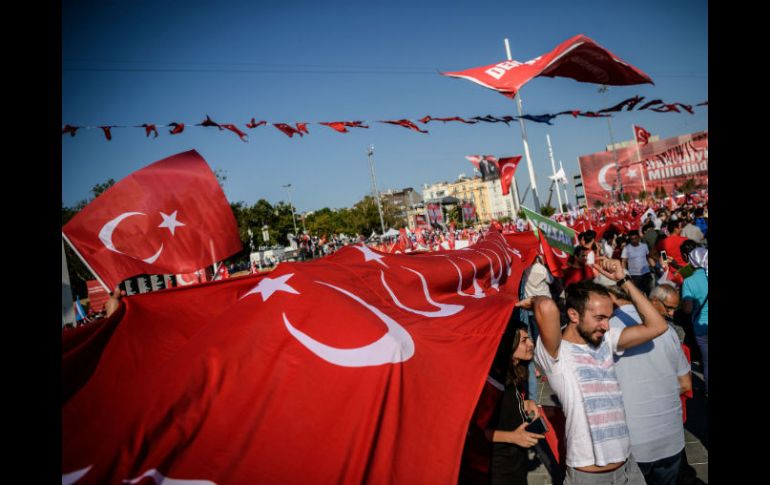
column 558, row 236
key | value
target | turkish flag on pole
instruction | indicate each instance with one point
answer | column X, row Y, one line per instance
column 169, row 217
column 642, row 135
column 556, row 260
column 578, row 58
column 346, row 369
column 507, row 168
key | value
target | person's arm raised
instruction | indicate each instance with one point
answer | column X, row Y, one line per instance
column 547, row 319
column 653, row 324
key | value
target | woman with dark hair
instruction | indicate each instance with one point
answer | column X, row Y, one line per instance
column 513, row 413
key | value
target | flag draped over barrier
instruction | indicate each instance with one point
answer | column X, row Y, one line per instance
column 360, row 367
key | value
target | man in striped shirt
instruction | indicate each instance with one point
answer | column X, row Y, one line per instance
column 580, row 368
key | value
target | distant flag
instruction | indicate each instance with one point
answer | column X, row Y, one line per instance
column 507, row 168
column 177, row 128
column 539, row 118
column 288, row 130
column 302, row 128
column 335, row 125
column 705, row 103
column 253, row 269
column 405, row 123
column 642, row 135
column 222, row 273
column 474, row 159
column 253, row 124
column 648, row 104
column 150, row 128
column 243, row 136
column 69, row 129
column 427, row 119
column 80, row 313
column 209, row 122
column 666, row 108
column 630, row 103
column 559, row 176
column 107, row 132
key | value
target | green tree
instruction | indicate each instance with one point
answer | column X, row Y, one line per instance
column 547, row 210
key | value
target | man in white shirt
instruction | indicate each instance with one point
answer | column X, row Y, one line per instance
column 637, row 260
column 580, row 369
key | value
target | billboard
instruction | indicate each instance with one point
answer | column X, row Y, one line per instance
column 664, row 163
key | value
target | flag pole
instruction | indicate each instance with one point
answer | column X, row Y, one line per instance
column 553, row 168
column 639, row 159
column 67, row 310
column 72, row 246
column 564, row 185
column 532, row 182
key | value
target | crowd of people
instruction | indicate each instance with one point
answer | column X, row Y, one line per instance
column 614, row 334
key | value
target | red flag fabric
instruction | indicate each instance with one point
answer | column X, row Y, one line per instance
column 406, row 124
column 178, row 128
column 642, row 135
column 288, row 130
column 578, row 58
column 253, row 124
column 107, row 132
column 243, row 136
column 222, row 272
column 302, row 128
column 404, row 242
column 474, row 159
column 507, row 168
column 209, row 122
column 150, row 128
column 336, row 125
column 169, row 217
column 330, row 371
column 556, row 260
column 69, row 129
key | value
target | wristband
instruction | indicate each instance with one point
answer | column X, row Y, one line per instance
column 623, row 280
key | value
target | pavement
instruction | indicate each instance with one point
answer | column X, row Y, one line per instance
column 695, row 432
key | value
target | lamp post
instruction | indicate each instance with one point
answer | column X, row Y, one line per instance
column 618, row 183
column 370, row 153
column 293, row 220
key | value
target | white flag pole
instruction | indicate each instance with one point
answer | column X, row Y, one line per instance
column 98, row 278
column 564, row 184
column 553, row 168
column 532, row 182
column 639, row 159
column 67, row 309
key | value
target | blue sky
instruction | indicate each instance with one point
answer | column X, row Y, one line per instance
column 128, row 63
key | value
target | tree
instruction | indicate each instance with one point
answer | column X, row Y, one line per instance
column 598, row 204
column 688, row 186
column 547, row 210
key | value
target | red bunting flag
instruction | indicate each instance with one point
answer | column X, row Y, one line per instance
column 254, row 124
column 507, row 168
column 288, row 130
column 246, row 381
column 150, row 128
column 578, row 58
column 107, row 132
column 302, row 128
column 209, row 122
column 335, row 125
column 177, row 128
column 427, row 119
column 169, row 217
column 69, row 129
column 649, row 104
column 243, row 136
column 406, row 124
column 642, row 136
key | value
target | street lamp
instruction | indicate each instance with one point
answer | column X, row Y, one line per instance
column 370, row 152
column 619, row 184
column 293, row 220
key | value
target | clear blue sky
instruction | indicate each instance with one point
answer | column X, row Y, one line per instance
column 128, row 63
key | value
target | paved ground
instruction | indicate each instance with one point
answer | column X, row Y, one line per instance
column 696, row 430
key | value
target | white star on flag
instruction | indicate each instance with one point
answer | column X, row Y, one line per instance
column 632, row 172
column 268, row 286
column 370, row 255
column 170, row 222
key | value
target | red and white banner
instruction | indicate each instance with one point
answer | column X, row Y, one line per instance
column 169, row 217
column 642, row 136
column 435, row 214
column 97, row 295
column 663, row 163
column 345, row 369
column 578, row 58
column 507, row 168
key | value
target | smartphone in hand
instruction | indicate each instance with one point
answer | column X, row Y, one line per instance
column 537, row 426
column 663, row 256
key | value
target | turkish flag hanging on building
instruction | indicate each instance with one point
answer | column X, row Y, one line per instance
column 642, row 135
column 578, row 58
column 346, row 369
column 169, row 217
column 507, row 168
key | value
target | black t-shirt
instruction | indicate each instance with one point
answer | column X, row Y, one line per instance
column 509, row 461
